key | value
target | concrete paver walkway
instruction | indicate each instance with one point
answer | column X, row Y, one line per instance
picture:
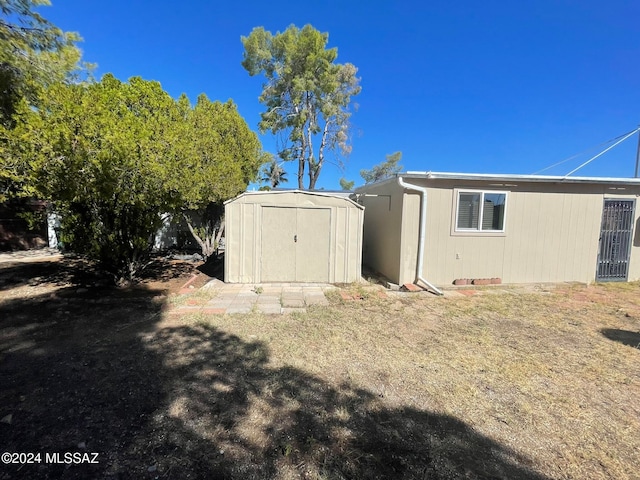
column 217, row 297
column 274, row 298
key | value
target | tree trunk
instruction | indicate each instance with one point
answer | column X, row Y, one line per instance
column 219, row 234
column 313, row 178
column 310, row 158
column 207, row 244
column 301, row 161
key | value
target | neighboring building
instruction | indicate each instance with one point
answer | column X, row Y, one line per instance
column 293, row 236
column 15, row 231
column 174, row 234
column 438, row 227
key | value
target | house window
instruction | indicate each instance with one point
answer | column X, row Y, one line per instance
column 480, row 211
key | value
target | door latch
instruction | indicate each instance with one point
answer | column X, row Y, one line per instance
column 295, row 238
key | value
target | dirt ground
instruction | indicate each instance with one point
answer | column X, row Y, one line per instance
column 498, row 384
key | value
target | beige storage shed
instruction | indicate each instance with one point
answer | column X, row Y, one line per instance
column 293, row 236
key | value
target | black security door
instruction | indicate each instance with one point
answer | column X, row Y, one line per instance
column 615, row 240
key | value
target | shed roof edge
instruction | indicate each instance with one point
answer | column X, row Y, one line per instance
column 296, row 191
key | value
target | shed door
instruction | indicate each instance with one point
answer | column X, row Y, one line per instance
column 312, row 253
column 615, row 240
column 295, row 244
column 278, row 248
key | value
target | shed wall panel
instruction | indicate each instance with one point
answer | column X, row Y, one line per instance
column 341, row 223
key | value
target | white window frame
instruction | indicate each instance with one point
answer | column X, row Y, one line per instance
column 478, row 231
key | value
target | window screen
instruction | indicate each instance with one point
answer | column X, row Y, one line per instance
column 481, row 211
column 468, row 210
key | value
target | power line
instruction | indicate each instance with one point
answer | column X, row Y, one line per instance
column 626, row 135
column 603, row 152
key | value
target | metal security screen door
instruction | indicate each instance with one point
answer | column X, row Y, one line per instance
column 615, row 240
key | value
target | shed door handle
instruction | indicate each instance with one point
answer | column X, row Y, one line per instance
column 295, row 238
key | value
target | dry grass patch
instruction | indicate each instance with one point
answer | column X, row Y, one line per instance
column 536, row 373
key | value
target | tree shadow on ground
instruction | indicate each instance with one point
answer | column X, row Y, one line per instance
column 625, row 337
column 163, row 269
column 191, row 401
column 214, row 267
column 50, row 270
column 77, row 271
column 72, row 371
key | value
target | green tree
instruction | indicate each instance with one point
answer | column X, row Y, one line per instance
column 273, row 173
column 33, row 54
column 214, row 157
column 346, row 184
column 98, row 152
column 307, row 95
column 112, row 157
column 383, row 170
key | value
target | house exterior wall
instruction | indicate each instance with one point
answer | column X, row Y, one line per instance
column 551, row 233
column 410, row 236
column 382, row 243
column 548, row 237
column 634, row 261
column 341, row 222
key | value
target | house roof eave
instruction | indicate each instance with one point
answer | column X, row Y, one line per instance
column 508, row 178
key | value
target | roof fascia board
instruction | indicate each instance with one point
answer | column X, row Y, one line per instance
column 377, row 184
column 522, row 178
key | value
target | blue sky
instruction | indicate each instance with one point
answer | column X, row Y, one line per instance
column 484, row 87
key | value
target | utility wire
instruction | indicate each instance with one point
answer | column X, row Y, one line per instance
column 603, row 152
column 626, row 135
column 566, row 160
